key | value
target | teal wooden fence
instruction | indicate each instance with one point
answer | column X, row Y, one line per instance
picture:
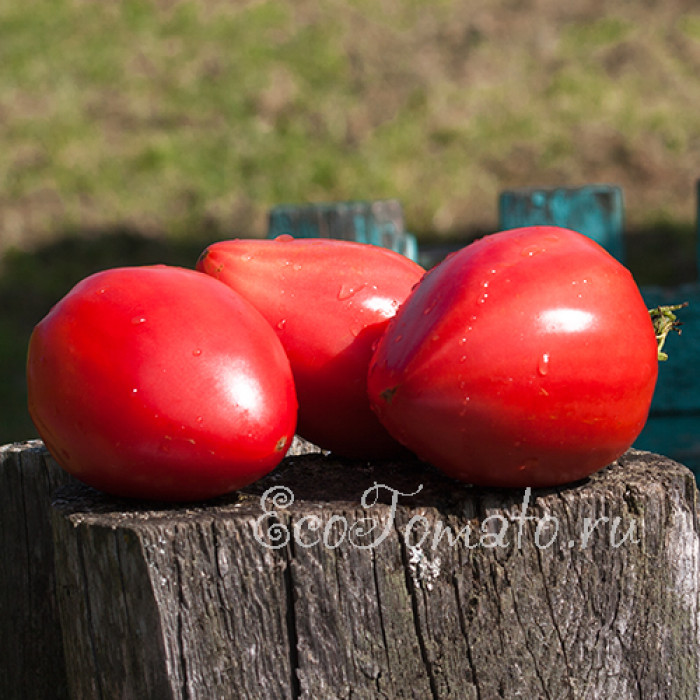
column 379, row 223
column 596, row 210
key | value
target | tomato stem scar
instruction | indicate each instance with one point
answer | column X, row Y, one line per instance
column 388, row 394
column 281, row 444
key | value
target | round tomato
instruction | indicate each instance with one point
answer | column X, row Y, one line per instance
column 527, row 358
column 160, row 383
column 329, row 301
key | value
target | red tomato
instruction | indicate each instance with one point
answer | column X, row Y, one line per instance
column 329, row 301
column 161, row 383
column 528, row 358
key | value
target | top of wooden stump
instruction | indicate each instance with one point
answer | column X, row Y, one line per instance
column 309, row 482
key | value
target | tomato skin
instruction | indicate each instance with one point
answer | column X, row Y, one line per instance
column 160, row 383
column 329, row 301
column 527, row 358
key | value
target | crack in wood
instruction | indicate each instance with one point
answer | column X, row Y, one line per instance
column 290, row 619
column 413, row 595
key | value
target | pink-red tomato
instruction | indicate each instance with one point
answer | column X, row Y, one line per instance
column 160, row 383
column 527, row 358
column 329, row 302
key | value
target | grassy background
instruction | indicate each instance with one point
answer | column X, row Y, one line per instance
column 138, row 132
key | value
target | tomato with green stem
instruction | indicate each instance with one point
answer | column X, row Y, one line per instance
column 528, row 358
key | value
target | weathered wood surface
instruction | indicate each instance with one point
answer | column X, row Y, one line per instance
column 32, row 664
column 31, row 648
column 274, row 592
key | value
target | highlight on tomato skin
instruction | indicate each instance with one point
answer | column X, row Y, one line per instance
column 527, row 358
column 160, row 383
column 329, row 301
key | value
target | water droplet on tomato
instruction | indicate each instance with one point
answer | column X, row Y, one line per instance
column 348, row 290
column 531, row 250
column 543, row 364
column 482, row 299
column 398, row 339
column 529, row 463
column 196, row 352
column 138, row 320
column 281, row 323
column 134, row 391
column 284, row 238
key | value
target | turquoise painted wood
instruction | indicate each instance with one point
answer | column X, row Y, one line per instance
column 677, row 437
column 594, row 210
column 673, row 428
column 678, row 387
column 379, row 223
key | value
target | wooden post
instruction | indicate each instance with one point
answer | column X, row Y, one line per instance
column 380, row 223
column 596, row 211
column 334, row 579
column 31, row 646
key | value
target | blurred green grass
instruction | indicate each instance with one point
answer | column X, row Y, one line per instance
column 137, row 132
column 168, row 116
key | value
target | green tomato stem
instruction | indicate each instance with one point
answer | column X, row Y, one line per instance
column 665, row 321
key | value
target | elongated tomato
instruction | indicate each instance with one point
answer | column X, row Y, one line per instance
column 527, row 358
column 160, row 383
column 329, row 302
